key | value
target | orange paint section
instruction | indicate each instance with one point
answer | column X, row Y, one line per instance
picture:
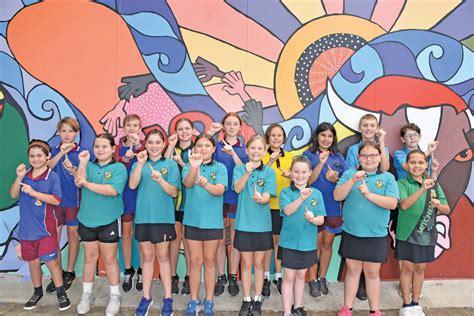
column 80, row 48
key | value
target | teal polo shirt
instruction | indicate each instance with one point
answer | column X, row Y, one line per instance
column 201, row 208
column 154, row 205
column 252, row 216
column 296, row 232
column 97, row 209
column 361, row 217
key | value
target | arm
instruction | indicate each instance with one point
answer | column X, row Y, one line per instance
column 55, row 160
column 136, row 176
column 47, row 198
column 341, row 192
column 385, row 160
column 190, row 177
column 215, row 189
column 172, row 141
column 102, row 189
column 293, row 206
column 410, row 200
column 388, row 202
column 15, row 188
column 236, row 158
column 316, row 172
column 317, row 220
column 265, row 198
column 170, row 189
column 443, row 209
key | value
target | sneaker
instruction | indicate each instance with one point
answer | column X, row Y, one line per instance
column 128, row 281
column 113, row 307
column 257, row 307
column 32, row 302
column 323, row 286
column 208, row 308
column 266, row 288
column 278, row 284
column 220, row 285
column 174, row 284
column 84, row 305
column 377, row 313
column 361, row 293
column 299, row 311
column 345, row 311
column 418, row 311
column 246, row 308
column 64, row 303
column 185, row 289
column 51, row 288
column 406, row 311
column 233, row 287
column 314, row 290
column 68, row 278
column 143, row 307
column 167, row 309
column 139, row 283
column 193, row 308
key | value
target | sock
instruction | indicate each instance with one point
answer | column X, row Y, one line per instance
column 406, row 305
column 247, row 299
column 60, row 291
column 277, row 275
column 256, row 298
column 129, row 270
column 234, row 276
column 267, row 275
column 39, row 290
column 372, row 312
column 414, row 303
column 139, row 270
column 114, row 290
column 87, row 287
column 220, row 275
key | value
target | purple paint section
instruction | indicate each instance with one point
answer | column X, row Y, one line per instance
column 456, row 24
column 362, row 8
column 280, row 22
column 349, row 74
column 463, row 88
column 198, row 103
column 397, row 59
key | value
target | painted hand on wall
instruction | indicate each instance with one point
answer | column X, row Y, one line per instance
column 206, row 70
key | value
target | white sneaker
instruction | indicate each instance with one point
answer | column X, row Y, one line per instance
column 113, row 307
column 418, row 311
column 84, row 305
column 406, row 311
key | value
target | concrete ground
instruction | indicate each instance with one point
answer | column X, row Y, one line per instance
column 441, row 297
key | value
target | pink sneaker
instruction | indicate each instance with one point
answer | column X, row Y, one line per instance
column 345, row 311
column 377, row 313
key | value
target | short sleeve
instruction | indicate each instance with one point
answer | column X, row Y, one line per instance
column 285, row 199
column 320, row 207
column 441, row 196
column 311, row 157
column 392, row 188
column 222, row 177
column 351, row 158
column 402, row 189
column 55, row 186
column 173, row 175
column 119, row 179
column 346, row 176
column 270, row 182
column 239, row 171
column 185, row 171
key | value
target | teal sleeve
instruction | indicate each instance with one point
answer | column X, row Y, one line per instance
column 320, row 207
column 346, row 176
column 270, row 182
column 185, row 171
column 237, row 174
column 222, row 177
column 391, row 188
column 173, row 175
column 285, row 199
column 119, row 179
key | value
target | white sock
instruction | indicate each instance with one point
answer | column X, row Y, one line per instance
column 87, row 287
column 277, row 275
column 247, row 298
column 267, row 275
column 114, row 289
column 256, row 298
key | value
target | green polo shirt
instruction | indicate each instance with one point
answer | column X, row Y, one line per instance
column 361, row 217
column 97, row 209
column 407, row 219
column 201, row 208
column 154, row 205
column 296, row 232
column 252, row 216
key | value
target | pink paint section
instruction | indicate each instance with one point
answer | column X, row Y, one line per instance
column 387, row 12
column 217, row 19
column 443, row 225
column 333, row 6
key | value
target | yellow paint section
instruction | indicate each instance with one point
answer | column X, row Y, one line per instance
column 342, row 131
column 255, row 70
column 423, row 14
column 305, row 10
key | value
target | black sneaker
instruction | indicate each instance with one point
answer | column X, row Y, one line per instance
column 257, row 307
column 128, row 281
column 32, row 302
column 266, row 288
column 139, row 283
column 246, row 308
column 323, row 286
column 64, row 303
column 51, row 288
column 233, row 288
column 314, row 290
column 361, row 293
column 174, row 284
column 299, row 312
column 185, row 290
column 278, row 284
column 68, row 278
column 220, row 285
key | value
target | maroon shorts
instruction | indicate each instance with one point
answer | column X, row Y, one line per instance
column 128, row 217
column 229, row 210
column 66, row 215
column 46, row 249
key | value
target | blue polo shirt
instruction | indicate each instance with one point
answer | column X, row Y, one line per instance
column 154, row 205
column 352, row 156
column 252, row 216
column 296, row 232
column 37, row 216
column 97, row 209
column 230, row 196
column 201, row 208
column 69, row 192
column 400, row 157
column 361, row 217
column 337, row 163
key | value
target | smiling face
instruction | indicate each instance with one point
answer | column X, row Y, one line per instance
column 154, row 145
column 67, row 134
column 368, row 128
column 369, row 158
column 204, row 147
column 417, row 165
column 276, row 138
column 103, row 149
column 132, row 127
column 325, row 139
column 37, row 157
column 256, row 149
column 231, row 126
column 184, row 130
column 300, row 173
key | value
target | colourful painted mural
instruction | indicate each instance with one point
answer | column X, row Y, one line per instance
column 295, row 62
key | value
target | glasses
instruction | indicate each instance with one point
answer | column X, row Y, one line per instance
column 367, row 156
column 412, row 135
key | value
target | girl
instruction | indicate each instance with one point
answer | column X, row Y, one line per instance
column 158, row 182
column 302, row 209
column 64, row 162
column 255, row 184
column 280, row 161
column 327, row 165
column 125, row 153
column 421, row 199
column 102, row 183
column 369, row 195
column 230, row 151
column 179, row 147
column 39, row 189
column 205, row 181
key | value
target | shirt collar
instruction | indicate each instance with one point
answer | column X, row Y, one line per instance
column 43, row 176
column 294, row 188
column 111, row 162
column 162, row 158
column 413, row 180
column 185, row 149
column 237, row 144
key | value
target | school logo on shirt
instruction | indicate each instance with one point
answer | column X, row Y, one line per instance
column 38, row 202
column 260, row 182
column 433, row 194
column 213, row 175
column 164, row 171
column 379, row 184
column 108, row 175
column 314, row 202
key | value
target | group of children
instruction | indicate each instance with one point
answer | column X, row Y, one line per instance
column 194, row 189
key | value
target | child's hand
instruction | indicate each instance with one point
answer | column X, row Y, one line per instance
column 285, row 173
column 249, row 167
column 274, row 156
column 67, row 164
column 308, row 214
column 80, row 181
column 257, row 196
column 432, row 146
column 305, row 193
column 142, row 157
column 428, row 184
column 26, row 188
column 84, row 156
column 381, row 134
column 434, row 202
column 65, row 148
column 195, row 160
column 177, row 157
column 359, row 176
column 228, row 149
column 129, row 154
column 434, row 165
column 332, row 175
column 173, row 140
column 202, row 181
column 21, row 171
column 363, row 188
column 324, row 157
column 215, row 128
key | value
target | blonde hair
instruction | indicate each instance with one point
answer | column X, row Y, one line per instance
column 72, row 122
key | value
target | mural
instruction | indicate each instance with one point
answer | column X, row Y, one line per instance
column 298, row 63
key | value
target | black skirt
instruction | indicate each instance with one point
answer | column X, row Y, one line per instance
column 369, row 249
column 250, row 241
column 195, row 233
column 295, row 259
column 414, row 253
column 155, row 233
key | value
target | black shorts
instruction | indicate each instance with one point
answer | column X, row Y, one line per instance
column 250, row 241
column 155, row 233
column 295, row 259
column 369, row 249
column 110, row 233
column 277, row 221
column 195, row 233
column 414, row 253
column 178, row 215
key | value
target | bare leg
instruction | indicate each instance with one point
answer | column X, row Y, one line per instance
column 174, row 248
column 210, row 253
column 73, row 240
column 246, row 271
column 372, row 283
column 234, row 253
column 406, row 278
column 195, row 269
column 108, row 252
column 298, row 287
column 35, row 272
column 91, row 255
column 258, row 258
column 127, row 229
column 163, row 254
column 351, row 281
column 326, row 253
column 418, row 278
column 287, row 290
column 148, row 266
